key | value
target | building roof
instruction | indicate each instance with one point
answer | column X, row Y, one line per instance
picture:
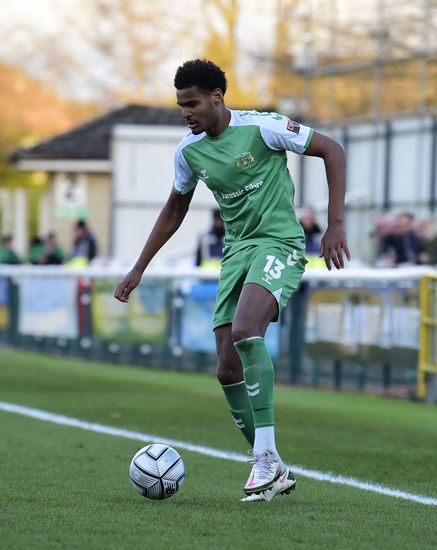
column 91, row 140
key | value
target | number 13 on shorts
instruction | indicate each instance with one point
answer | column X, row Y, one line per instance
column 279, row 270
column 274, row 267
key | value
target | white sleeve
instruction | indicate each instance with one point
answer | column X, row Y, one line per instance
column 184, row 178
column 279, row 133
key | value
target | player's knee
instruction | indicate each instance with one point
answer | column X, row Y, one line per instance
column 229, row 372
column 241, row 332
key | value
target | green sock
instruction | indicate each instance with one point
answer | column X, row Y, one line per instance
column 238, row 401
column 259, row 377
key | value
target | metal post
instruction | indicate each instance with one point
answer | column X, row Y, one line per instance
column 433, row 171
column 424, row 336
column 360, row 373
column 314, row 373
column 297, row 333
column 387, row 166
column 386, row 378
column 302, row 165
column 338, row 375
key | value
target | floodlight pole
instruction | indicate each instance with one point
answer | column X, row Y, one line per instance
column 423, row 80
column 380, row 54
column 333, row 61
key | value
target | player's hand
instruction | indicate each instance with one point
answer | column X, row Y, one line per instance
column 333, row 246
column 126, row 285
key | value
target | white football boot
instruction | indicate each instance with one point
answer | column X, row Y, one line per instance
column 282, row 486
column 266, row 470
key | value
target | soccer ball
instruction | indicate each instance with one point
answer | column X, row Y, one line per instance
column 157, row 471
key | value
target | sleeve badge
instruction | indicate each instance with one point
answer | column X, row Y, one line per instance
column 293, row 126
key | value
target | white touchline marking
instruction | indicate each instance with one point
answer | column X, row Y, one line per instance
column 209, row 451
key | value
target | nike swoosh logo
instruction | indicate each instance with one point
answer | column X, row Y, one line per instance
column 251, row 483
column 283, row 478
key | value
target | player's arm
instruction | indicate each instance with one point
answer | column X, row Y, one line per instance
column 169, row 220
column 334, row 242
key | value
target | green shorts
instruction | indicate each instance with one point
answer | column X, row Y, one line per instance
column 276, row 266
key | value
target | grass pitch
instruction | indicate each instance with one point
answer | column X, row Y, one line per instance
column 63, row 487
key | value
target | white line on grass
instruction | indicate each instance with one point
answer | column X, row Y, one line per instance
column 209, row 451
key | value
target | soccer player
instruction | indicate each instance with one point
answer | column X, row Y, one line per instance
column 241, row 157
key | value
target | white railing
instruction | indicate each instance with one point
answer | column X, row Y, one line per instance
column 353, row 275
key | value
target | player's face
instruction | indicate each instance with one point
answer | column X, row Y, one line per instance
column 199, row 108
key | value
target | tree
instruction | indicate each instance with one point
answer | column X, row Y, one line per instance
column 220, row 42
column 333, row 58
column 286, row 86
column 29, row 112
column 110, row 50
column 131, row 39
column 338, row 61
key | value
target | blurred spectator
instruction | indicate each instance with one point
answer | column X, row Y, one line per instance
column 313, row 236
column 402, row 245
column 312, row 230
column 84, row 245
column 7, row 254
column 210, row 248
column 53, row 253
column 427, row 231
column 35, row 253
column 383, row 227
column 45, row 251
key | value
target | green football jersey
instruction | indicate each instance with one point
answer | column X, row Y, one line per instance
column 246, row 169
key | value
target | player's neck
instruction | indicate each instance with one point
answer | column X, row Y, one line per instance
column 222, row 123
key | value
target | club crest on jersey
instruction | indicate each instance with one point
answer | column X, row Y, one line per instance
column 293, row 126
column 245, row 161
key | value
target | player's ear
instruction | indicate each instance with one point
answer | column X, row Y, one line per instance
column 217, row 96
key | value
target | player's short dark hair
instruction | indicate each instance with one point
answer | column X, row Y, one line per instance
column 204, row 74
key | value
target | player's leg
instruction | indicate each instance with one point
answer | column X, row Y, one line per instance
column 275, row 272
column 256, row 308
column 230, row 376
column 229, row 368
